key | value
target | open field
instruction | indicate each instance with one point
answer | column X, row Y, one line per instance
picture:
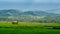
column 28, row 28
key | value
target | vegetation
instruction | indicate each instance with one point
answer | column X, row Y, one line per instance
column 28, row 28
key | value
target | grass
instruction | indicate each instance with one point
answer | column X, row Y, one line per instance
column 28, row 28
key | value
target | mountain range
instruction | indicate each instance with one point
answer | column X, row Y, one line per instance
column 37, row 16
column 12, row 12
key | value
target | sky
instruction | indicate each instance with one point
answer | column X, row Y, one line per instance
column 30, row 4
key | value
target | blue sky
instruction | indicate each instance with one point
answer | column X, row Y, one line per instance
column 30, row 4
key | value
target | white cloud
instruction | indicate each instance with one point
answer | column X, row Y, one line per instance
column 45, row 1
column 13, row 0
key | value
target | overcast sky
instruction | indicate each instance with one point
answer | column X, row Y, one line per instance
column 31, row 0
column 30, row 4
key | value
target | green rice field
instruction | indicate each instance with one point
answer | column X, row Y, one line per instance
column 28, row 28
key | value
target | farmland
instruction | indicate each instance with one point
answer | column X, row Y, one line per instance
column 28, row 28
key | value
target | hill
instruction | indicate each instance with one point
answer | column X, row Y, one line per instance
column 36, row 16
column 13, row 12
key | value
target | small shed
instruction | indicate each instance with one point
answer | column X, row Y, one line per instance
column 14, row 22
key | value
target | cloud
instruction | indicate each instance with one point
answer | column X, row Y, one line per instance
column 32, row 1
column 46, row 1
column 29, row 4
column 12, row 0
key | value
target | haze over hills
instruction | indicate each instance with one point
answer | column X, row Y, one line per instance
column 13, row 12
column 56, row 11
column 10, row 12
column 29, row 15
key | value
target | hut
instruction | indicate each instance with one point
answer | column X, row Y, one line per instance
column 14, row 22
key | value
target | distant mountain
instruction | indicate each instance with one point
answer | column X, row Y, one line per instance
column 35, row 13
column 56, row 11
column 39, row 13
column 17, row 13
column 10, row 12
column 28, row 15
